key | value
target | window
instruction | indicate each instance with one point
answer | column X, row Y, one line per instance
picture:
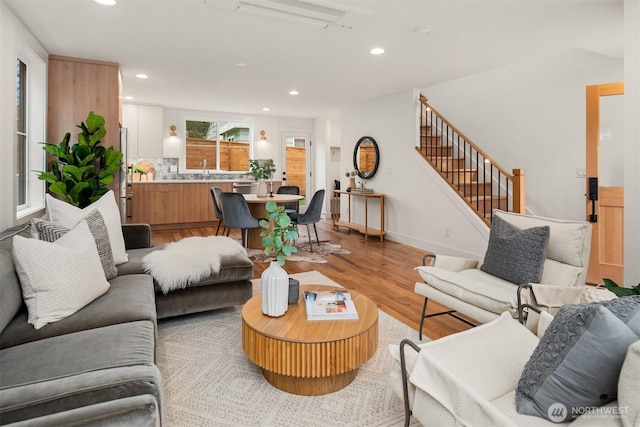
column 220, row 145
column 29, row 157
column 21, row 133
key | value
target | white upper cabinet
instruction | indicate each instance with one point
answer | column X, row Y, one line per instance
column 144, row 125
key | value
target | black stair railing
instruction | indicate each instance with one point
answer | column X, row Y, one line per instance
column 477, row 178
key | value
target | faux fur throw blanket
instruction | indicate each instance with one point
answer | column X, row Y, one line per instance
column 189, row 260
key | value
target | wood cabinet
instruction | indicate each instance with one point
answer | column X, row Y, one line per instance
column 77, row 86
column 144, row 125
column 174, row 205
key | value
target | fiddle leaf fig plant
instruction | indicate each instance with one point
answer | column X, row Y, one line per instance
column 278, row 233
column 81, row 173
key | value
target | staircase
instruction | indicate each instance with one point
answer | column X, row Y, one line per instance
column 481, row 183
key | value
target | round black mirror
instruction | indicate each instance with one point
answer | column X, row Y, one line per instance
column 366, row 157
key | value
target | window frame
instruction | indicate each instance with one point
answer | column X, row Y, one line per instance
column 36, row 104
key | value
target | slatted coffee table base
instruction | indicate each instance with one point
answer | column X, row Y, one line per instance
column 310, row 386
column 309, row 358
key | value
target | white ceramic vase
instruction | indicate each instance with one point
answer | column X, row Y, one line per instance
column 275, row 290
column 261, row 189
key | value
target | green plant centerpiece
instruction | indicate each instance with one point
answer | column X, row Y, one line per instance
column 261, row 169
column 81, row 173
column 278, row 233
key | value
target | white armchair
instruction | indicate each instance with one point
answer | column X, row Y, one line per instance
column 463, row 286
column 470, row 379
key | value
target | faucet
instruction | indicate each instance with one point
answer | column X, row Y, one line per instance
column 204, row 169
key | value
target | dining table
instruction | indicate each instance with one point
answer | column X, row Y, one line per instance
column 259, row 210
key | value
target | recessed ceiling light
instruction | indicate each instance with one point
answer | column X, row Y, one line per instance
column 266, row 109
column 376, row 51
column 106, row 2
column 129, row 98
column 241, row 64
column 293, row 92
column 142, row 76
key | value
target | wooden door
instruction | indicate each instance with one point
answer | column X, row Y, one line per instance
column 606, row 214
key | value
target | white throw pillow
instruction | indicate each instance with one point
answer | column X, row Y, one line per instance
column 59, row 278
column 68, row 215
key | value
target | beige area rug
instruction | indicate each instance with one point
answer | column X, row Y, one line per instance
column 209, row 381
column 319, row 254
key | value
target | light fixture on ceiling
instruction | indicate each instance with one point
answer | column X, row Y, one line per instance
column 106, row 2
column 129, row 98
column 266, row 109
column 172, row 130
column 376, row 51
column 241, row 64
column 293, row 92
column 312, row 13
column 142, row 76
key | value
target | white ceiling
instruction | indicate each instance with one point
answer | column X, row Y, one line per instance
column 190, row 48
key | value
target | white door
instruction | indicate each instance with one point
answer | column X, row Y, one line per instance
column 296, row 161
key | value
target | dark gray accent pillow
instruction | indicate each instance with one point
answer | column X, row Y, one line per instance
column 50, row 232
column 577, row 363
column 516, row 255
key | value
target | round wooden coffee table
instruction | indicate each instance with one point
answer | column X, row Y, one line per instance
column 309, row 357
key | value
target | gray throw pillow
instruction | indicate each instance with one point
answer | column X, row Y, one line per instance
column 50, row 232
column 577, row 363
column 516, row 255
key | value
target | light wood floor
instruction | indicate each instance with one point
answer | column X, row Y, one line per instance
column 381, row 270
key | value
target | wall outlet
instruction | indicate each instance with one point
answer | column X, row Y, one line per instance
column 581, row 172
column 173, row 168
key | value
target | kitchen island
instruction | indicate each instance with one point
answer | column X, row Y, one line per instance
column 177, row 203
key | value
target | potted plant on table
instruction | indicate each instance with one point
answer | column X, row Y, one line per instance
column 261, row 170
column 278, row 234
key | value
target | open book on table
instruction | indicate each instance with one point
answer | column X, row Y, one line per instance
column 329, row 305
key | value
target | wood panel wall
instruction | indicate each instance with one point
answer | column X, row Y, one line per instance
column 77, row 86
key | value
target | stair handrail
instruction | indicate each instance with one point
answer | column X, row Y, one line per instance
column 424, row 100
column 516, row 176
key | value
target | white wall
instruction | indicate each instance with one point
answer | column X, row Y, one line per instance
column 531, row 115
column 11, row 33
column 632, row 142
column 419, row 205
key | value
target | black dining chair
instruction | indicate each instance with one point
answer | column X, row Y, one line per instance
column 236, row 214
column 217, row 210
column 290, row 208
column 312, row 215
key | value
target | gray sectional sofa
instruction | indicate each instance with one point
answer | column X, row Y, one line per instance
column 97, row 366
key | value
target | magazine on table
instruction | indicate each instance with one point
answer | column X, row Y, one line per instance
column 329, row 305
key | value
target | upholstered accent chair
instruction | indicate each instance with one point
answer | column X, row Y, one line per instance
column 551, row 256
column 291, row 208
column 311, row 216
column 236, row 214
column 217, row 210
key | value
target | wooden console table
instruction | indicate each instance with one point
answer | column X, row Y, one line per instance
column 365, row 229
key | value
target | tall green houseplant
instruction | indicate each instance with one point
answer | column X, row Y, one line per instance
column 81, row 173
column 278, row 233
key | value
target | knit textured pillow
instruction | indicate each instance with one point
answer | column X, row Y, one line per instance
column 577, row 363
column 50, row 232
column 516, row 255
